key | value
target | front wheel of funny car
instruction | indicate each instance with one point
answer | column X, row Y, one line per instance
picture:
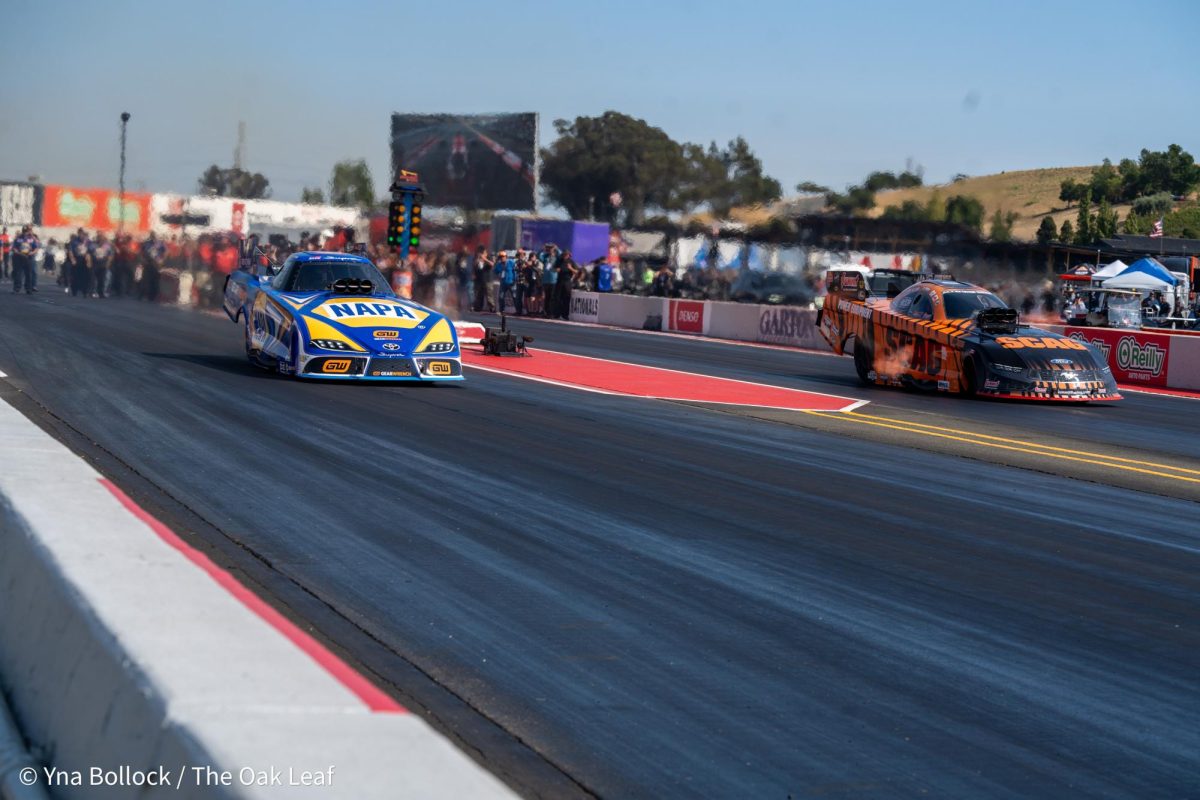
column 970, row 379
column 251, row 352
column 292, row 365
column 864, row 360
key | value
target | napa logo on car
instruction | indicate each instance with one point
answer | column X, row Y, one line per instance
column 373, row 312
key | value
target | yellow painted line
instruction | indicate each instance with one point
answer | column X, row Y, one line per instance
column 1031, row 444
column 852, row 417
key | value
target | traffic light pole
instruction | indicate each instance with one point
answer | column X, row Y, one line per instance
column 404, row 213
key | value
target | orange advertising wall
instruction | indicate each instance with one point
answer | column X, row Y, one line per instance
column 94, row 209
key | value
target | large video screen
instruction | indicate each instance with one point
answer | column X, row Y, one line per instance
column 478, row 161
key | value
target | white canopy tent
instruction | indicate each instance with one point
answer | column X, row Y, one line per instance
column 1110, row 270
column 1135, row 280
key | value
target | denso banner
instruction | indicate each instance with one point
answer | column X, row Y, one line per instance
column 686, row 316
column 1135, row 357
column 791, row 326
column 585, row 307
column 95, row 209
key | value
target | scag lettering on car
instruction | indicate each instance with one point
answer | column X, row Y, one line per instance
column 1038, row 343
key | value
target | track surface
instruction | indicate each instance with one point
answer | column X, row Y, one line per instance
column 654, row 599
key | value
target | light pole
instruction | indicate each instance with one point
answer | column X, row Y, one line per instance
column 121, row 183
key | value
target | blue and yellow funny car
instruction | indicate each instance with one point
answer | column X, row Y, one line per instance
column 333, row 316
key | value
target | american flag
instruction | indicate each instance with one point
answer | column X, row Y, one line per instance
column 1156, row 231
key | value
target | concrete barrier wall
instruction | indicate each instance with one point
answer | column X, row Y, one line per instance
column 118, row 650
column 738, row 321
column 628, row 311
column 1183, row 369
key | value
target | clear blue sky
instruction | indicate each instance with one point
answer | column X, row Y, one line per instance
column 822, row 91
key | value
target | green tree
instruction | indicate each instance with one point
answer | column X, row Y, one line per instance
column 1067, row 232
column 881, row 181
column 1002, row 224
column 1185, row 222
column 312, row 195
column 857, row 200
column 744, row 182
column 1137, row 224
column 1070, row 191
column 909, row 210
column 1047, row 231
column 234, row 182
column 1084, row 233
column 935, row 209
column 350, row 184
column 966, row 211
column 1154, row 205
column 1172, row 170
column 1131, row 178
column 594, row 157
column 908, row 180
column 1106, row 220
column 808, row 187
column 1106, row 182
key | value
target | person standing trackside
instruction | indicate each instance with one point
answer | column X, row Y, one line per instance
column 5, row 254
column 482, row 273
column 102, row 257
column 548, row 257
column 25, row 247
column 567, row 273
column 152, row 252
column 506, row 271
column 79, row 269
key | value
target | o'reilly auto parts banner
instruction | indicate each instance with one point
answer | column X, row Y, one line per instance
column 1136, row 358
column 477, row 161
column 687, row 316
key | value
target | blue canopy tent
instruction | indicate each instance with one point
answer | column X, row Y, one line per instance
column 1146, row 266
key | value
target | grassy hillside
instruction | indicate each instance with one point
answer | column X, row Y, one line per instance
column 1031, row 193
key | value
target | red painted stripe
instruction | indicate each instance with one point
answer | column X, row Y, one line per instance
column 636, row 380
column 1130, row 387
column 353, row 680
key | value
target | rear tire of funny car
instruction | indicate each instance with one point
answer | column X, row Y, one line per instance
column 864, row 360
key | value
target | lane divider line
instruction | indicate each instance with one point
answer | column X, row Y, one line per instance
column 1032, row 444
column 373, row 697
column 856, row 418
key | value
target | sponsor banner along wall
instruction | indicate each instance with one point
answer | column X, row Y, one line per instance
column 95, row 209
column 686, row 316
column 585, row 306
column 1135, row 357
column 20, row 204
column 796, row 327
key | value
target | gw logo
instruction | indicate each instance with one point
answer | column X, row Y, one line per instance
column 337, row 366
column 337, row 310
column 440, row 368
